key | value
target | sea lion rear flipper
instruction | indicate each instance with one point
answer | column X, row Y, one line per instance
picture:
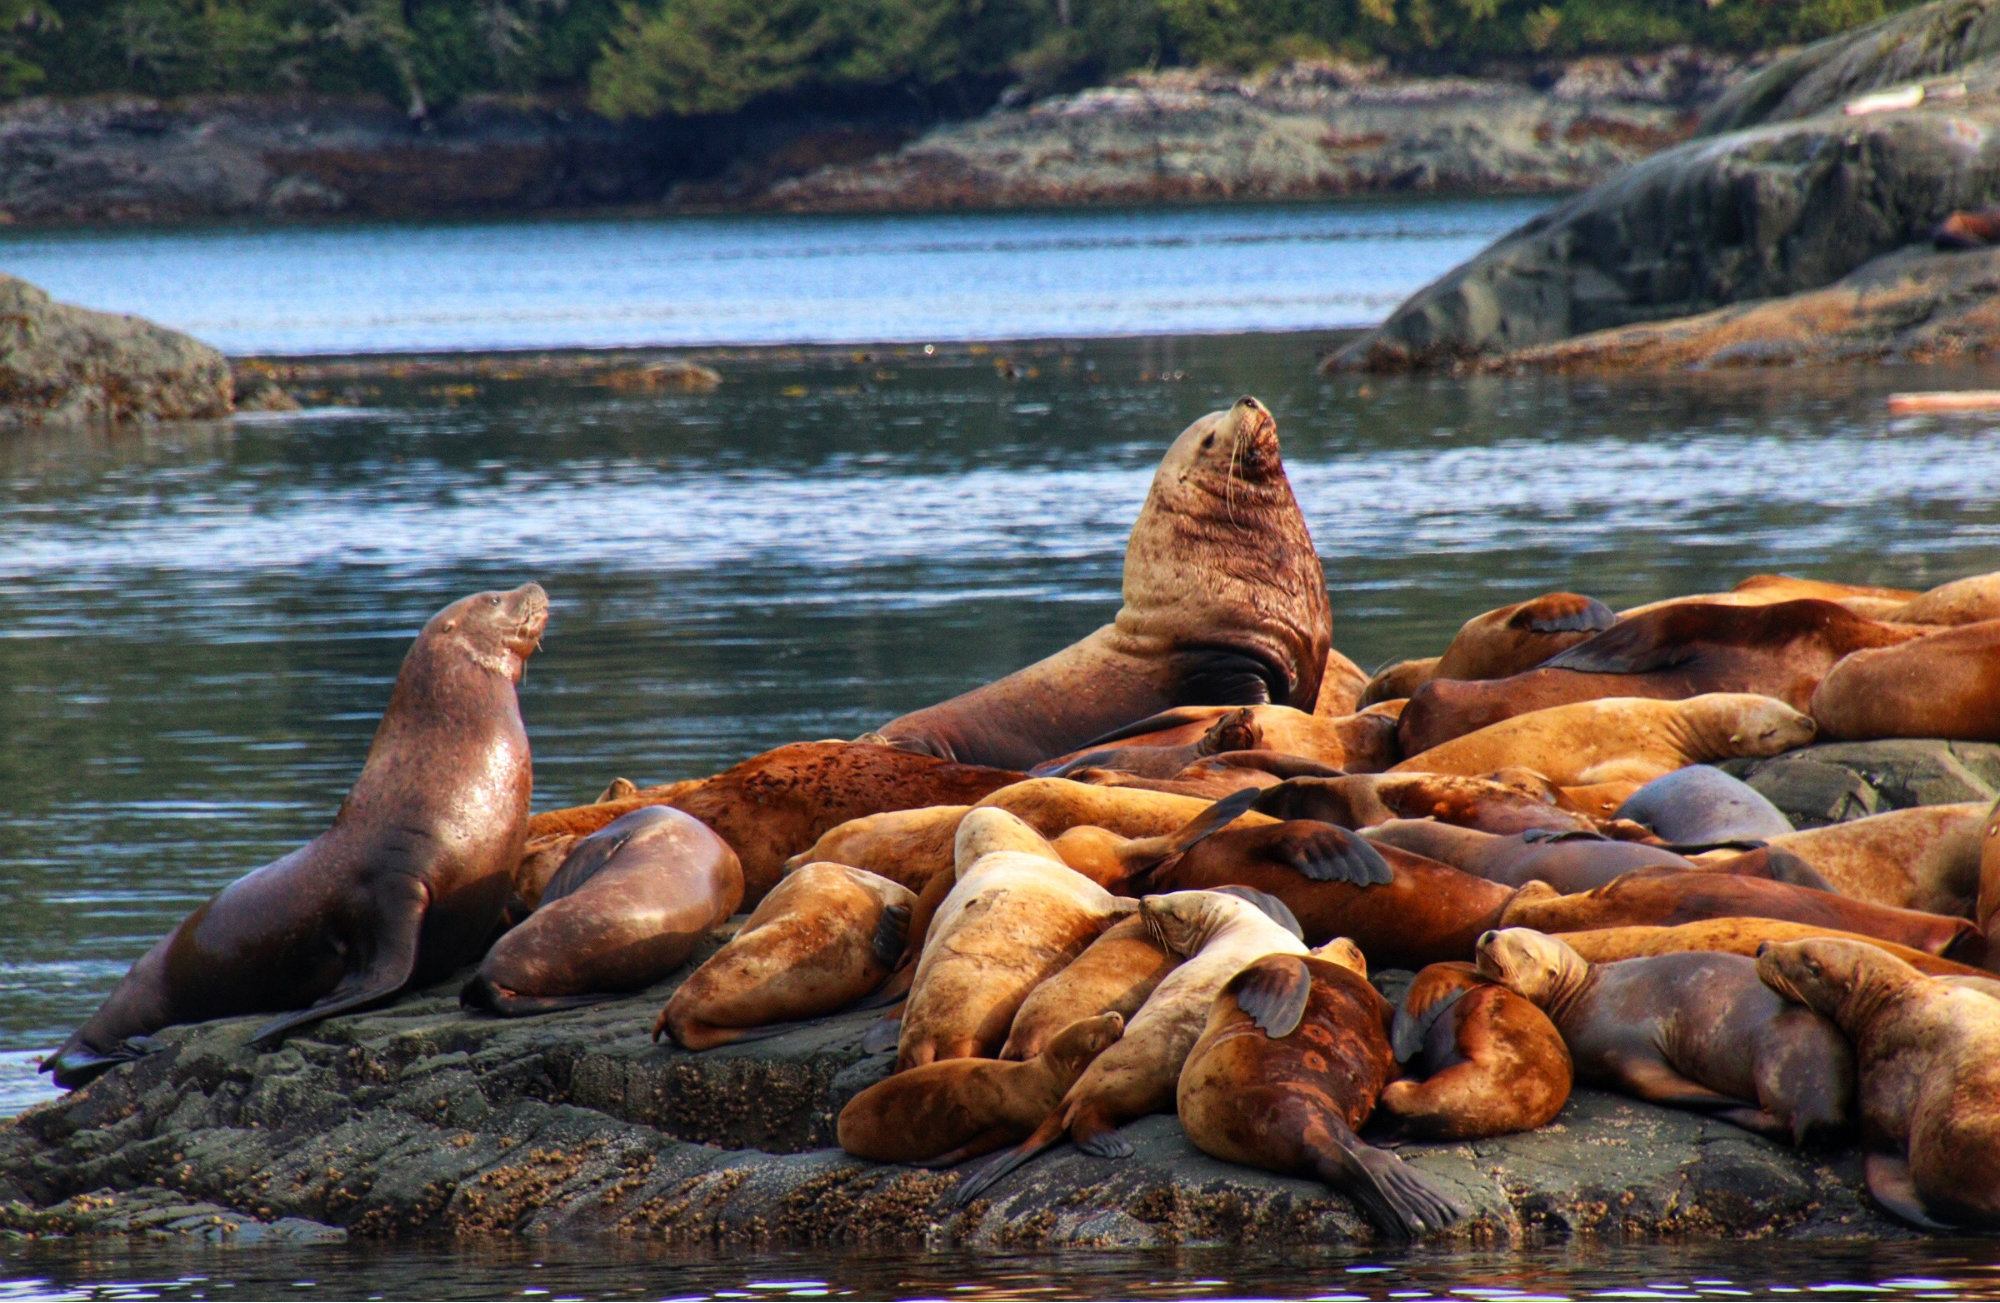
column 1890, row 1183
column 978, row 1147
column 1278, row 764
column 883, row 1034
column 1049, row 1133
column 1190, row 834
column 1547, row 836
column 1272, row 992
column 1270, row 906
column 388, row 970
column 1104, row 1143
column 1330, row 853
column 1395, row 1197
column 1761, row 1121
column 1303, row 798
column 1408, row 1031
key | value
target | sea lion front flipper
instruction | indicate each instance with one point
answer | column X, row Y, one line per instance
column 1278, row 764
column 978, row 1147
column 1631, row 647
column 1272, row 992
column 1408, row 1032
column 1890, row 1183
column 892, row 935
column 1105, row 1143
column 1390, row 1192
column 73, row 1068
column 388, row 970
column 1330, row 853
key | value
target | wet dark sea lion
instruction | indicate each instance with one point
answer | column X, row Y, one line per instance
column 1701, row 805
column 627, row 908
column 407, row 885
column 1694, row 1030
column 1481, row 1061
column 943, row 1113
column 1569, row 862
column 1224, row 604
column 1928, row 1055
column 1780, row 650
column 1290, row 1064
column 774, row 806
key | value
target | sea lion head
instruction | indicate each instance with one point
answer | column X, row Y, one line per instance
column 1181, row 922
column 499, row 631
column 1344, row 953
column 1747, row 724
column 1073, row 1048
column 1221, row 560
column 1528, row 963
column 1823, row 973
column 986, row 829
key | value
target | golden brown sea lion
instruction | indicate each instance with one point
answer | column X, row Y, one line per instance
column 1635, row 738
column 1766, row 590
column 1396, row 681
column 775, row 805
column 1289, row 1065
column 1114, row 974
column 1778, row 650
column 1665, row 897
column 1945, row 684
column 1340, row 686
column 1162, row 745
column 627, row 907
column 1695, row 1030
column 943, row 1113
column 1928, row 1055
column 1217, row 935
column 1736, row 936
column 1924, row 858
column 821, row 941
column 1970, row 600
column 1012, row 919
column 1481, row 1061
column 1224, row 604
column 1519, row 637
column 406, row 886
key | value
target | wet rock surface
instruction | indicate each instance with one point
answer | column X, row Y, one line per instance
column 423, row 1119
column 1786, row 193
column 60, row 363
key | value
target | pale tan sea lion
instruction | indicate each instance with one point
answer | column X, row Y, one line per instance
column 1922, row 858
column 1115, row 974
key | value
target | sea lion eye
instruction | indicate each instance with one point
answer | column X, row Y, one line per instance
column 1208, row 442
column 495, row 599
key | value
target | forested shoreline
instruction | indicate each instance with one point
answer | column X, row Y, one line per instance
column 698, row 57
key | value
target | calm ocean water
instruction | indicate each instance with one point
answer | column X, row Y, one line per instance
column 199, row 623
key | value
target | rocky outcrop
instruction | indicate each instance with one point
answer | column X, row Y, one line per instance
column 423, row 1119
column 1305, row 130
column 61, row 363
column 1798, row 195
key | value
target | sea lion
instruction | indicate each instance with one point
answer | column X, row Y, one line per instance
column 1945, row 684
column 1162, row 745
column 1777, row 650
column 1736, row 936
column 1397, row 680
column 1481, row 1060
column 775, row 805
column 1622, row 737
column 1012, row 919
column 1694, row 1030
column 1514, row 638
column 1664, row 897
column 1224, row 604
column 1364, row 800
column 540, row 859
column 1767, row 590
column 627, row 907
column 1928, row 1055
column 407, row 885
column 1967, row 228
column 1986, row 902
column 1289, row 1065
column 1340, row 686
column 1701, row 805
column 1970, row 600
column 1569, row 862
column 821, row 941
column 1114, row 974
column 1216, row 935
column 1923, row 858
column 944, row 1113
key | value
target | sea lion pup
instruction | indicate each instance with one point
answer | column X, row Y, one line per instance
column 1622, row 737
column 1162, row 745
column 1970, row 600
column 1012, row 919
column 1364, row 800
column 1694, row 1030
column 1738, row 936
column 1569, row 862
column 1665, row 897
column 1702, row 806
column 1514, row 638
column 1481, row 1061
column 1945, row 684
column 407, row 885
column 1291, row 1060
column 1217, row 935
column 1224, row 604
column 1923, row 858
column 944, row 1113
column 775, row 805
column 1778, row 650
column 628, row 907
column 1928, row 1054
column 823, row 940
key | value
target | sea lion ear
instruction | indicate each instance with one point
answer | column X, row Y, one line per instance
column 620, row 789
column 1273, row 993
column 1534, row 889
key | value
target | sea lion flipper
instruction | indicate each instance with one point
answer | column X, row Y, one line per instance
column 1392, row 1194
column 892, row 933
column 1630, row 647
column 1891, row 1185
column 1156, row 723
column 399, row 914
column 1408, row 1032
column 1549, row 836
column 1050, row 1132
column 1211, row 821
column 1273, row 992
column 1331, row 853
column 1105, row 1144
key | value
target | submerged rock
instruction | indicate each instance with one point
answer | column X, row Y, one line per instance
column 64, row 363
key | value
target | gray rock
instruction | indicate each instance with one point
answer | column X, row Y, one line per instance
column 61, row 363
column 1819, row 785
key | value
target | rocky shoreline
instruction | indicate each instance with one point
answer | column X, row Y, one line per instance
column 421, row 1119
